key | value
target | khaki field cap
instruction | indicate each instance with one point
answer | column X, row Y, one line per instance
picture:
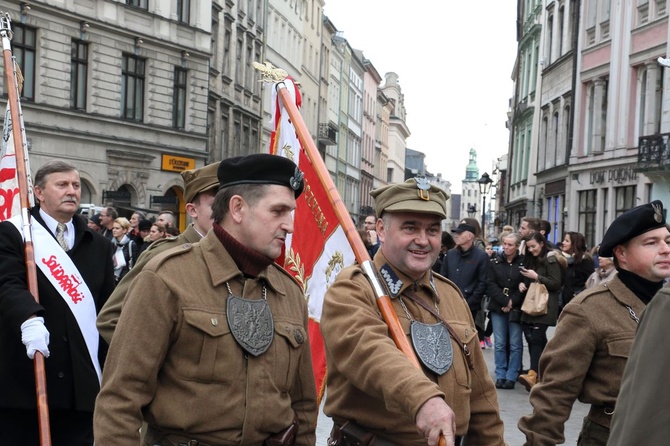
column 414, row 195
column 630, row 224
column 199, row 180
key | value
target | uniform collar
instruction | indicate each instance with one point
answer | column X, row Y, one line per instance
column 222, row 267
column 397, row 282
column 622, row 293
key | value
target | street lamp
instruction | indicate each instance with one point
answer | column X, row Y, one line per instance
column 484, row 186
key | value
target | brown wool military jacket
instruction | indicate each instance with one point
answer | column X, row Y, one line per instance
column 109, row 315
column 174, row 363
column 642, row 415
column 583, row 361
column 372, row 383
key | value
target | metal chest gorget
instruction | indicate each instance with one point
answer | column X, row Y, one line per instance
column 250, row 322
column 431, row 343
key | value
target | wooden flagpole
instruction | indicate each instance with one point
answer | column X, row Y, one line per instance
column 24, row 199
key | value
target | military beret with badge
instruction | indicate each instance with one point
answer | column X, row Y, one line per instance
column 630, row 224
column 261, row 168
column 414, row 195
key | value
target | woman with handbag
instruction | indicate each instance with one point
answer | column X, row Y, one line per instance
column 503, row 288
column 541, row 267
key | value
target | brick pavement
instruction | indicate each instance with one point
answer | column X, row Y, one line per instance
column 513, row 405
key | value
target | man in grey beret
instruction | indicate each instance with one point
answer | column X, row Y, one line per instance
column 586, row 357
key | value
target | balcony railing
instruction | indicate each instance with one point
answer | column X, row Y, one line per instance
column 327, row 135
column 653, row 152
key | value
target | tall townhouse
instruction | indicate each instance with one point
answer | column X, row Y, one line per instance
column 520, row 193
column 293, row 44
column 234, row 98
column 351, row 135
column 557, row 64
column 398, row 130
column 622, row 108
column 118, row 88
column 336, row 70
column 327, row 132
column 383, row 114
column 371, row 81
column 345, row 110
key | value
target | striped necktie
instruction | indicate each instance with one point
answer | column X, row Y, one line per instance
column 60, row 236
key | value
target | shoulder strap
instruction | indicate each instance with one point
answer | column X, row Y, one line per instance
column 131, row 260
column 409, row 293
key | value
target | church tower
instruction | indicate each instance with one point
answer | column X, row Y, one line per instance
column 470, row 199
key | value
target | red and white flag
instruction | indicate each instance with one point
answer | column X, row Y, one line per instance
column 9, row 184
column 318, row 249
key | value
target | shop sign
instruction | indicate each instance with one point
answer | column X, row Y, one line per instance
column 163, row 199
column 619, row 175
column 120, row 195
column 175, row 163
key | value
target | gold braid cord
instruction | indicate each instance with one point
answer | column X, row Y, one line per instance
column 19, row 77
column 270, row 73
column 294, row 264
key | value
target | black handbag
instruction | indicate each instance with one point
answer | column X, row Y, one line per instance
column 515, row 315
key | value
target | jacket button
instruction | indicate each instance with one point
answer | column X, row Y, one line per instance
column 61, row 374
column 64, row 338
column 299, row 338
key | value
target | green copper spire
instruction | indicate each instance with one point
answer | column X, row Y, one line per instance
column 472, row 171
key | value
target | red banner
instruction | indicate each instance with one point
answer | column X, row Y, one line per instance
column 318, row 248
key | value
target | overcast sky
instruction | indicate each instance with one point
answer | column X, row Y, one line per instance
column 454, row 60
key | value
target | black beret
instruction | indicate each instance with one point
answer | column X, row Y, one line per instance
column 96, row 219
column 630, row 224
column 261, row 168
column 144, row 225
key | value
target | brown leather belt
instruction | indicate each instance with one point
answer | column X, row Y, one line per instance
column 601, row 415
column 351, row 434
column 154, row 437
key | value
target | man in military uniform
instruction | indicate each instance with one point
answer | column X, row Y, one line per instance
column 200, row 186
column 642, row 415
column 211, row 347
column 586, row 357
column 373, row 390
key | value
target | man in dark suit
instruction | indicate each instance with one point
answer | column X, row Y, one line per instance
column 62, row 325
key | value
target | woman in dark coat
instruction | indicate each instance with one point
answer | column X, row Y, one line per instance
column 540, row 265
column 580, row 265
column 503, row 287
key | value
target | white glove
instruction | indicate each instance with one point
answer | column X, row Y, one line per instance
column 35, row 337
